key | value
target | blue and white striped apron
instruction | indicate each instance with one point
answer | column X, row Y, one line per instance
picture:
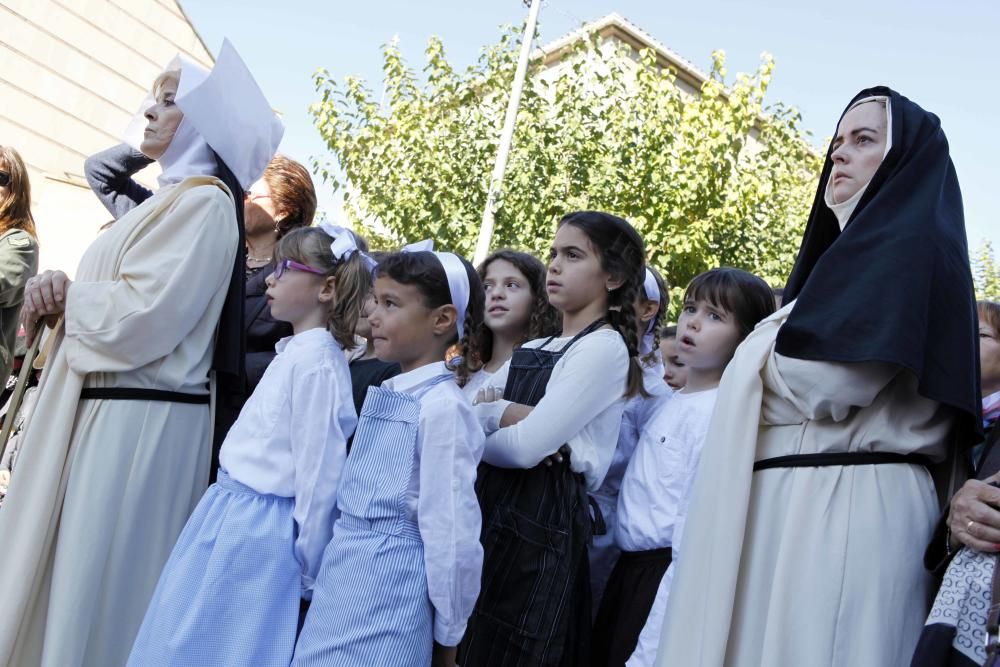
column 370, row 605
column 229, row 594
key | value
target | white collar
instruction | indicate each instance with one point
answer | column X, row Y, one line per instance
column 314, row 335
column 407, row 382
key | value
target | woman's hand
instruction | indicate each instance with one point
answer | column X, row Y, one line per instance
column 974, row 516
column 44, row 297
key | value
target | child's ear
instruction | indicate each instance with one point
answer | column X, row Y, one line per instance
column 445, row 319
column 328, row 292
column 648, row 310
column 614, row 282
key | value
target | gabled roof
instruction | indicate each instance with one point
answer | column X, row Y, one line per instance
column 617, row 26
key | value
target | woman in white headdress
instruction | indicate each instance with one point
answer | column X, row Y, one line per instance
column 118, row 450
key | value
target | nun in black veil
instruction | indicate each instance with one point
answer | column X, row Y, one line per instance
column 814, row 495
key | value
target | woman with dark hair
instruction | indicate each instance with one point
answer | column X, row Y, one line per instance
column 18, row 249
column 517, row 310
column 117, row 452
column 813, row 487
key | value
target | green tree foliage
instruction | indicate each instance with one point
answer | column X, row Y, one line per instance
column 613, row 132
column 986, row 273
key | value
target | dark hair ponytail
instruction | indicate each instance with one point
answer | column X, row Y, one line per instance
column 623, row 256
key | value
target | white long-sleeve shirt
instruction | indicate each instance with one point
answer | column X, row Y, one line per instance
column 582, row 408
column 484, row 378
column 442, row 497
column 658, row 478
column 290, row 439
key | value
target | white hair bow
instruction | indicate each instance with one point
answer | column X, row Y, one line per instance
column 458, row 278
column 345, row 244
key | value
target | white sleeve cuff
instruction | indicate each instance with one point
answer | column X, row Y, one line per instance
column 448, row 634
column 489, row 415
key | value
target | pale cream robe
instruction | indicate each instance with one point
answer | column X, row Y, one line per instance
column 806, row 566
column 103, row 488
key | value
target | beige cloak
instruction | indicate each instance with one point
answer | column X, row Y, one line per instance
column 103, row 488
column 806, row 566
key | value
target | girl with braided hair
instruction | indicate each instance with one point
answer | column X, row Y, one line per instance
column 563, row 394
column 650, row 306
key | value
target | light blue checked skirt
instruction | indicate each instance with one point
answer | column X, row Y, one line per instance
column 229, row 594
column 370, row 606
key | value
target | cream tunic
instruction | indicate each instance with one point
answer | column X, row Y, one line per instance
column 806, row 566
column 80, row 569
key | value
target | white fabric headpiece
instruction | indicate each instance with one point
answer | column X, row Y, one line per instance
column 844, row 209
column 652, row 294
column 345, row 244
column 227, row 110
column 458, row 278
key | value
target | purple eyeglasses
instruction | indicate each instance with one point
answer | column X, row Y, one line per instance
column 287, row 264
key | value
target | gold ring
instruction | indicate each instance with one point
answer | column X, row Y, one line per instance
column 968, row 527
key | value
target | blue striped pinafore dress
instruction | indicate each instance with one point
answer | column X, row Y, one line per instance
column 370, row 605
column 534, row 605
column 230, row 592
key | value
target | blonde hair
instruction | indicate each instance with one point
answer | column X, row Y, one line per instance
column 311, row 246
column 162, row 79
column 15, row 206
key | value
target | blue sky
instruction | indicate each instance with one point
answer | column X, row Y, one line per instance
column 939, row 54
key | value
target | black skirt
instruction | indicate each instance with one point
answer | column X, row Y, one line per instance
column 627, row 600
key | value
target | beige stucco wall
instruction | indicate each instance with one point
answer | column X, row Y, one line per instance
column 74, row 73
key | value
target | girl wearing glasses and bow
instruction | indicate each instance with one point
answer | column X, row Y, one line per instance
column 253, row 546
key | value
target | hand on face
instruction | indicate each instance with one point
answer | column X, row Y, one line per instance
column 162, row 120
column 857, row 150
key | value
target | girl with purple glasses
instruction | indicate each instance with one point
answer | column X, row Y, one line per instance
column 231, row 591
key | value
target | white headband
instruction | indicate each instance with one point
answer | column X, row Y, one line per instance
column 345, row 244
column 458, row 278
column 652, row 294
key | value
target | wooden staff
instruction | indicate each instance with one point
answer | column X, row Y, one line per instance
column 20, row 388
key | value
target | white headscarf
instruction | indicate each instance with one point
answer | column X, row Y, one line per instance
column 225, row 112
column 844, row 209
column 458, row 279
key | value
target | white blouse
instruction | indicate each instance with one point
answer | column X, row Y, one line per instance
column 442, row 497
column 658, row 478
column 638, row 411
column 582, row 408
column 290, row 439
column 483, row 378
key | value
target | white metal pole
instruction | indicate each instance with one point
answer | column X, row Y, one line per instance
column 507, row 136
